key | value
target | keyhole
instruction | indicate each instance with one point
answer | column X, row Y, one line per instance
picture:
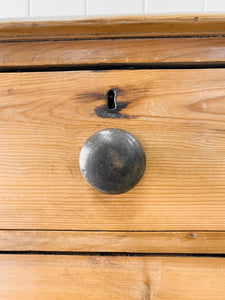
column 111, row 100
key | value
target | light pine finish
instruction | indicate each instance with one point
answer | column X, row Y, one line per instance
column 93, row 277
column 115, row 27
column 178, row 116
column 118, row 51
column 127, row 242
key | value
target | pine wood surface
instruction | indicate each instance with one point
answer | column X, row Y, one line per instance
column 177, row 115
column 114, row 27
column 113, row 242
column 166, row 51
column 95, row 277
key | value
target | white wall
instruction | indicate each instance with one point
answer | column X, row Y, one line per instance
column 73, row 8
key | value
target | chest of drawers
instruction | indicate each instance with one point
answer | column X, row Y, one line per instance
column 164, row 238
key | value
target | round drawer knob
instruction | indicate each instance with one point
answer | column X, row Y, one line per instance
column 112, row 161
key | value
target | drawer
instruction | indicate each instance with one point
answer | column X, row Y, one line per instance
column 178, row 115
column 165, row 237
column 120, row 277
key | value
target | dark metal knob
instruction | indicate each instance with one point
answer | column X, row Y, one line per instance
column 112, row 161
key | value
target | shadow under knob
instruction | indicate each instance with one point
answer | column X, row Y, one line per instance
column 112, row 161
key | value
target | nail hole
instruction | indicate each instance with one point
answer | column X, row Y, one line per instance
column 111, row 100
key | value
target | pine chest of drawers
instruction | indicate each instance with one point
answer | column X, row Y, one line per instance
column 165, row 237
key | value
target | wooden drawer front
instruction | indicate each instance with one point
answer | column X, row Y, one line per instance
column 94, row 277
column 177, row 115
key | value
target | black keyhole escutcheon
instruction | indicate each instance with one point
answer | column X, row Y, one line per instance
column 111, row 99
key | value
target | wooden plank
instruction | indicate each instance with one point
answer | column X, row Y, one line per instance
column 117, row 51
column 111, row 27
column 178, row 116
column 119, row 278
column 126, row 242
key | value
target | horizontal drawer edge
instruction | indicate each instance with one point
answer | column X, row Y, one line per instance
column 158, row 51
column 199, row 242
column 114, row 27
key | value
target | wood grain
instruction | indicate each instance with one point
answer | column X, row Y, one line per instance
column 119, row 278
column 178, row 116
column 113, row 51
column 126, row 242
column 111, row 27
